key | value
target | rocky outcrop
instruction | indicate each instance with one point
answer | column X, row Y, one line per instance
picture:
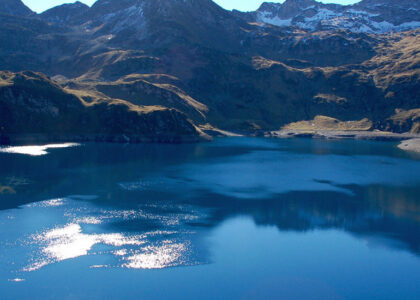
column 329, row 124
column 412, row 145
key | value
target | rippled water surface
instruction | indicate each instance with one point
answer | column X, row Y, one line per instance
column 238, row 218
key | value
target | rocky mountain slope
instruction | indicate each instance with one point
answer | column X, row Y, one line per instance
column 225, row 69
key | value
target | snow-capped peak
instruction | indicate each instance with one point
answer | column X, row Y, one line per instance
column 370, row 16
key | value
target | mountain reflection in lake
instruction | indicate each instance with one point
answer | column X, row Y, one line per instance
column 239, row 218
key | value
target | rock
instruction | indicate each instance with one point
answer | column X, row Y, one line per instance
column 412, row 145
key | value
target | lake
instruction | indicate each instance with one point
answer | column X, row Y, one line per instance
column 237, row 218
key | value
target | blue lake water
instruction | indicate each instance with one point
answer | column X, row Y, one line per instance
column 237, row 218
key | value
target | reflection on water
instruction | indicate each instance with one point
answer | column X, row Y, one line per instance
column 140, row 207
column 69, row 242
column 35, row 150
column 159, row 257
column 16, row 280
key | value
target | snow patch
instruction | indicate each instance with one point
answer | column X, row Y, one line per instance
column 268, row 18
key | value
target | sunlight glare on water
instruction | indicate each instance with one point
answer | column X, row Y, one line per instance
column 35, row 150
column 148, row 250
column 156, row 257
column 70, row 242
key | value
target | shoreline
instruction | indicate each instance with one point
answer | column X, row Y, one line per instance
column 409, row 142
column 342, row 134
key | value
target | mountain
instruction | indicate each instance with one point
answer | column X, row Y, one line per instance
column 222, row 69
column 14, row 7
column 159, row 23
column 65, row 14
column 369, row 16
